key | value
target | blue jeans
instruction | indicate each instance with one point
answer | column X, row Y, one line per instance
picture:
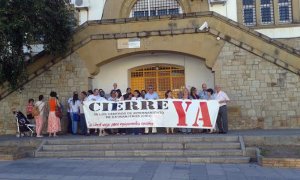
column 83, row 125
column 75, row 118
column 186, row 130
column 137, row 131
column 69, row 122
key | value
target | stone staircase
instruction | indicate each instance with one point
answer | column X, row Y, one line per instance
column 176, row 148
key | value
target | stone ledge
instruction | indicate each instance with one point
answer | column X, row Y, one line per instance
column 14, row 156
column 191, row 15
column 280, row 162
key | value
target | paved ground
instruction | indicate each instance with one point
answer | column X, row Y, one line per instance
column 63, row 169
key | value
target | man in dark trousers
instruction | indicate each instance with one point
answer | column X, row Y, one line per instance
column 222, row 120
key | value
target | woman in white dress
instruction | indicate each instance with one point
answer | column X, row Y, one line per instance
column 39, row 120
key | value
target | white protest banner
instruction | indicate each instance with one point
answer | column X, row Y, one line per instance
column 151, row 113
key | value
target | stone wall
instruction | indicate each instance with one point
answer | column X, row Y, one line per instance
column 292, row 42
column 262, row 94
column 64, row 77
column 281, row 162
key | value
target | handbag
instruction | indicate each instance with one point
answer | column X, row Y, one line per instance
column 58, row 112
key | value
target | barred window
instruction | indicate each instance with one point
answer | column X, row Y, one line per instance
column 162, row 77
column 155, row 8
column 266, row 10
column 249, row 12
column 285, row 11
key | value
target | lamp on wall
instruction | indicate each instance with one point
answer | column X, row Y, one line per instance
column 204, row 26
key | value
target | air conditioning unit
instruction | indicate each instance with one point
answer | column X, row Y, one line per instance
column 80, row 3
column 213, row 2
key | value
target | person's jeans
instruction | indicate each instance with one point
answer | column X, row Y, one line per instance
column 75, row 118
column 83, row 125
column 186, row 130
column 136, row 131
column 69, row 122
column 222, row 120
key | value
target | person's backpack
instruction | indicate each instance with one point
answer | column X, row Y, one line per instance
column 35, row 111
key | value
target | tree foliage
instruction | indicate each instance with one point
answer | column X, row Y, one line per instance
column 27, row 22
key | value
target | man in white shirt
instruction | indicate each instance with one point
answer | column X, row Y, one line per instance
column 222, row 120
column 95, row 96
column 83, row 125
column 151, row 95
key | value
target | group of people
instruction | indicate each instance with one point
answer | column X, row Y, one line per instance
column 76, row 115
column 37, row 111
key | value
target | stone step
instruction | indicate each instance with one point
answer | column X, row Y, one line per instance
column 141, row 146
column 188, row 159
column 7, row 157
column 139, row 153
column 13, row 156
column 144, row 139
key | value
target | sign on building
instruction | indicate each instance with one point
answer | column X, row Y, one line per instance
column 128, row 43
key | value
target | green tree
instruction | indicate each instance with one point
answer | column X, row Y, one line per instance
column 27, row 22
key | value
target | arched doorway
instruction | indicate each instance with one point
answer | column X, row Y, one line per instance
column 162, row 77
column 165, row 70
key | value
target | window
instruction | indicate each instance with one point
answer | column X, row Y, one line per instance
column 162, row 12
column 266, row 10
column 249, row 14
column 174, row 11
column 156, row 7
column 161, row 77
column 270, row 12
column 285, row 11
column 139, row 13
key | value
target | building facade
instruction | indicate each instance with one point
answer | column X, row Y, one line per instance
column 251, row 48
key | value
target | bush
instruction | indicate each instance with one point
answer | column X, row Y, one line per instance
column 27, row 22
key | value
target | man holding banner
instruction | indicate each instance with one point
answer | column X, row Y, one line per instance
column 222, row 120
column 174, row 113
column 151, row 95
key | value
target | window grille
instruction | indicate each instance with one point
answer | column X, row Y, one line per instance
column 285, row 11
column 161, row 77
column 156, row 7
column 266, row 11
column 249, row 13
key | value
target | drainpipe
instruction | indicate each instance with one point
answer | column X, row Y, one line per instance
column 149, row 8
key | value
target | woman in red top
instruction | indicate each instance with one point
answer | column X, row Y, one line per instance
column 53, row 120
